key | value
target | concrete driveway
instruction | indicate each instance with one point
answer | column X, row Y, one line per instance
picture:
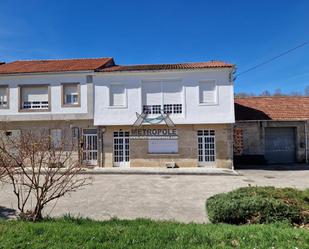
column 166, row 197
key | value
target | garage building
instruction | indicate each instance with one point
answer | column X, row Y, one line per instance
column 271, row 130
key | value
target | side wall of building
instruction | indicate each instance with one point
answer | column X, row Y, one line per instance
column 44, row 128
column 253, row 137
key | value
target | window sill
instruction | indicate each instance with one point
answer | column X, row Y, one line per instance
column 208, row 104
column 34, row 110
column 163, row 154
column 117, row 107
column 70, row 105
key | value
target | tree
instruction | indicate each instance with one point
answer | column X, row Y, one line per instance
column 265, row 93
column 278, row 92
column 41, row 169
column 295, row 94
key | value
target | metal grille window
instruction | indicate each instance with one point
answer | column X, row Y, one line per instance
column 152, row 109
column 169, row 109
column 121, row 146
column 35, row 105
column 173, row 108
column 206, row 145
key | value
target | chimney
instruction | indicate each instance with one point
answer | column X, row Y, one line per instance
column 2, row 62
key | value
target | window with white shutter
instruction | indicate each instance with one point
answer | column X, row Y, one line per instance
column 208, row 92
column 164, row 95
column 34, row 97
column 152, row 93
column 117, row 95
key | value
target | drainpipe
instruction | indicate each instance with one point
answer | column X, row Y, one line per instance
column 102, row 131
column 306, row 142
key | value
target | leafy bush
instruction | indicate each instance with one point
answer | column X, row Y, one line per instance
column 256, row 205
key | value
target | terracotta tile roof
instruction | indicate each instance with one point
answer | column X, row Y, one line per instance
column 155, row 67
column 37, row 66
column 272, row 108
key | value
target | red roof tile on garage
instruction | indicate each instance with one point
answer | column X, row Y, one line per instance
column 67, row 65
column 272, row 108
column 179, row 66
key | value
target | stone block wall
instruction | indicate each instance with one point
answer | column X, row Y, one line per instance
column 187, row 147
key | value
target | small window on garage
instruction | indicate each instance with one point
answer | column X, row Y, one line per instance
column 165, row 146
column 71, row 94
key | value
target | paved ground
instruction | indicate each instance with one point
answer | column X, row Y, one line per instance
column 176, row 197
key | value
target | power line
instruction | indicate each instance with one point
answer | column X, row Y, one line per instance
column 273, row 58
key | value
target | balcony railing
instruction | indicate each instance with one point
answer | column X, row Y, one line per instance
column 35, row 105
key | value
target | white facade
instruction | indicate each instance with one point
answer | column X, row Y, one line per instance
column 54, row 81
column 207, row 96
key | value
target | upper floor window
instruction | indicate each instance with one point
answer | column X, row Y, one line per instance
column 162, row 96
column 71, row 94
column 207, row 92
column 4, row 97
column 34, row 97
column 117, row 96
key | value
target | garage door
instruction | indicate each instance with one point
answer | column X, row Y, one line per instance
column 280, row 145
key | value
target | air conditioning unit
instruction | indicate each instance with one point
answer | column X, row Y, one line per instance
column 170, row 165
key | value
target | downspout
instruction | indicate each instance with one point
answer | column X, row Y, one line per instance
column 102, row 131
column 306, row 141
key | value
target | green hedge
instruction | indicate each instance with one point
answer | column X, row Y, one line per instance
column 256, row 205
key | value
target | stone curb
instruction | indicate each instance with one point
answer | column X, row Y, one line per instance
column 160, row 171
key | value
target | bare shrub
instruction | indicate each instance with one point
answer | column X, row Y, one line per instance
column 41, row 169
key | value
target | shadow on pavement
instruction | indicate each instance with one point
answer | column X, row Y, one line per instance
column 7, row 213
column 279, row 167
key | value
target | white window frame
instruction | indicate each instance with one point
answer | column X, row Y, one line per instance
column 7, row 90
column 216, row 102
column 205, row 162
column 125, row 96
column 64, row 95
column 71, row 102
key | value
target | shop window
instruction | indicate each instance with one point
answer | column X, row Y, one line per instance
column 164, row 146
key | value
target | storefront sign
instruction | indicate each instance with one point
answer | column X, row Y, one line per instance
column 139, row 131
column 163, row 133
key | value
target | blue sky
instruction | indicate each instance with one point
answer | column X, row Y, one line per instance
column 133, row 32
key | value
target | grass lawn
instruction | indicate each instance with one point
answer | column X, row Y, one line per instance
column 141, row 233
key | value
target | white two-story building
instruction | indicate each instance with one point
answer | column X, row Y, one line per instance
column 138, row 116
